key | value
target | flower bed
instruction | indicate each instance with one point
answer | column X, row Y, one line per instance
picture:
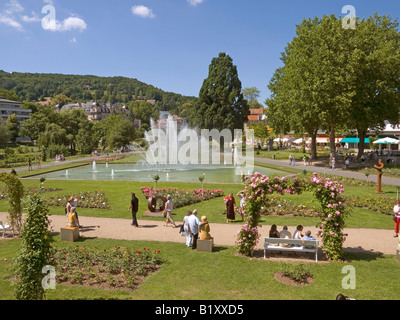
column 30, row 190
column 183, row 197
column 122, row 268
column 381, row 205
column 86, row 199
column 283, row 207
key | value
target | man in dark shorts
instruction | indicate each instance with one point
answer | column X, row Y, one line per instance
column 134, row 207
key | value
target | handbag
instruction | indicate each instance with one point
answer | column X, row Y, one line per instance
column 394, row 218
column 182, row 229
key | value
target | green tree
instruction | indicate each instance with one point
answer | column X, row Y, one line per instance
column 85, row 139
column 4, row 134
column 261, row 131
column 114, row 132
column 13, row 126
column 376, row 45
column 314, row 81
column 34, row 252
column 61, row 100
column 252, row 95
column 14, row 193
column 53, row 135
column 221, row 103
column 36, row 125
column 9, row 95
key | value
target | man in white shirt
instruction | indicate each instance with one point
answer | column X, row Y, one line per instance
column 285, row 233
column 194, row 224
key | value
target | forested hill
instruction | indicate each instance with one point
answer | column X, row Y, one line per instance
column 36, row 86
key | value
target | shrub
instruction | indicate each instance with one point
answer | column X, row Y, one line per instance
column 183, row 197
column 34, row 253
column 296, row 272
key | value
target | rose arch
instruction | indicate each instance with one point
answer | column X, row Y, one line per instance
column 328, row 193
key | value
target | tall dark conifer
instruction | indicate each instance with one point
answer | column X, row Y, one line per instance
column 221, row 104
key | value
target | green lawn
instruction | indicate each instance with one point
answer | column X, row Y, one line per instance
column 118, row 195
column 222, row 275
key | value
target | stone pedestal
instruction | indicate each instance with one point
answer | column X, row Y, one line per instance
column 155, row 214
column 205, row 245
column 70, row 234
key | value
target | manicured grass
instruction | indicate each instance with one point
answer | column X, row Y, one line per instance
column 118, row 195
column 222, row 275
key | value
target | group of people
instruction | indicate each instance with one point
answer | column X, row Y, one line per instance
column 134, row 208
column 286, row 234
column 230, row 204
column 60, row 157
column 192, row 225
column 71, row 213
column 30, row 168
column 193, row 228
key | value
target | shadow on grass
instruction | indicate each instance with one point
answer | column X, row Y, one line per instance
column 219, row 248
column 359, row 254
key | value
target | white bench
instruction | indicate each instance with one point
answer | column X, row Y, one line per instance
column 296, row 245
column 5, row 228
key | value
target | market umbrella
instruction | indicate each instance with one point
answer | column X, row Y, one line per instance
column 387, row 141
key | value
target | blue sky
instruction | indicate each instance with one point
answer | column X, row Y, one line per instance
column 166, row 43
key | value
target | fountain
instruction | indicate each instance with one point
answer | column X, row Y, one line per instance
column 180, row 152
column 174, row 146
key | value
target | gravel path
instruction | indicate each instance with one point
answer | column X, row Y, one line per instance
column 358, row 240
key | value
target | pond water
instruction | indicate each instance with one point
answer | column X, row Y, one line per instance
column 137, row 172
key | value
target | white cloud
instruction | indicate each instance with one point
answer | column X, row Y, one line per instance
column 73, row 40
column 8, row 20
column 143, row 11
column 13, row 7
column 195, row 2
column 68, row 24
column 7, row 16
column 28, row 19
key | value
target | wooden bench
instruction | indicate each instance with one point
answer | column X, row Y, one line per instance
column 296, row 245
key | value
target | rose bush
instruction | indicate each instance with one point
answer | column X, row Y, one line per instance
column 327, row 192
column 183, row 197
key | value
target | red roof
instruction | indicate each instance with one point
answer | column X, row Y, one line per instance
column 253, row 118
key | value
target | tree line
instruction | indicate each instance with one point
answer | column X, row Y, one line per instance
column 337, row 79
column 34, row 87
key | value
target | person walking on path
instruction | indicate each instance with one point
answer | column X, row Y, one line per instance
column 39, row 166
column 135, row 208
column 170, row 207
column 396, row 218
